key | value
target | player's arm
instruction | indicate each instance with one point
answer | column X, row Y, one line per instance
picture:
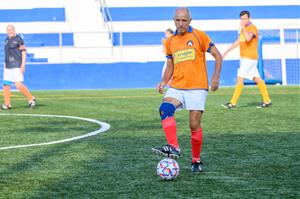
column 218, row 66
column 167, row 75
column 235, row 44
column 23, row 60
column 22, row 48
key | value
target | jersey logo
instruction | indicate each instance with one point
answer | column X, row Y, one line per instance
column 184, row 55
column 189, row 43
column 242, row 38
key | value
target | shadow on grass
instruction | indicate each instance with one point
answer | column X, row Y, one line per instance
column 236, row 166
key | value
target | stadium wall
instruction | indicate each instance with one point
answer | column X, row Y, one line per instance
column 118, row 75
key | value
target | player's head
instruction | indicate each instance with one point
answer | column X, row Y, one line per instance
column 182, row 19
column 10, row 29
column 169, row 32
column 245, row 16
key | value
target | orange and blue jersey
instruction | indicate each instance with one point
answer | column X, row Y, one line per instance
column 188, row 54
column 249, row 49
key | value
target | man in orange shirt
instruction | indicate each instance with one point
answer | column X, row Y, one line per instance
column 248, row 42
column 187, row 73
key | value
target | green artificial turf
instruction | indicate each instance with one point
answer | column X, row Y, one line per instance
column 247, row 152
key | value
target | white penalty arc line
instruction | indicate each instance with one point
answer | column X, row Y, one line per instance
column 104, row 127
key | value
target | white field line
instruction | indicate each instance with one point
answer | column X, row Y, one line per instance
column 104, row 127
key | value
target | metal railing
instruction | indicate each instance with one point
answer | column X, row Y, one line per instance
column 107, row 18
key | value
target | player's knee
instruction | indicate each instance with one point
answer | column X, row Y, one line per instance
column 18, row 84
column 166, row 110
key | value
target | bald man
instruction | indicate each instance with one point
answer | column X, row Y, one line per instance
column 186, row 73
column 14, row 67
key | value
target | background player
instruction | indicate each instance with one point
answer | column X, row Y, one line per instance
column 248, row 42
column 14, row 67
column 186, row 68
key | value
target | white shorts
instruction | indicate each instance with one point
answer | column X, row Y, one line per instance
column 248, row 69
column 13, row 75
column 190, row 99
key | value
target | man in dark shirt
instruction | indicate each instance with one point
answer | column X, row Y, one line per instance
column 14, row 67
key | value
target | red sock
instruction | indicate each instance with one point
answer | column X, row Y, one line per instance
column 169, row 125
column 196, row 142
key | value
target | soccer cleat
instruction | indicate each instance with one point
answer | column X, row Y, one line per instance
column 196, row 167
column 264, row 105
column 5, row 107
column 168, row 151
column 32, row 103
column 228, row 105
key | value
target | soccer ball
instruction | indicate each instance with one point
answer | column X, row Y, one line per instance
column 167, row 169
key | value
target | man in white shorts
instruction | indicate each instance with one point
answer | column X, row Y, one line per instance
column 14, row 67
column 248, row 42
column 186, row 68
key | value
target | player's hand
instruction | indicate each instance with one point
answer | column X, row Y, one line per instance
column 214, row 83
column 242, row 24
column 160, row 87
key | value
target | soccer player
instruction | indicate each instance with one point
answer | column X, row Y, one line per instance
column 186, row 68
column 14, row 67
column 169, row 32
column 248, row 42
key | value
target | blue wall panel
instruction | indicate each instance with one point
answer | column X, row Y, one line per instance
column 122, row 75
column 107, row 76
column 32, row 15
column 205, row 12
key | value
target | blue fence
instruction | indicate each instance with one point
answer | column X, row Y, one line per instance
column 227, row 36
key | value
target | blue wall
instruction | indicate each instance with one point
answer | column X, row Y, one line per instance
column 205, row 13
column 125, row 75
column 32, row 15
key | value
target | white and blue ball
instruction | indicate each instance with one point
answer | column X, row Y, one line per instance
column 167, row 169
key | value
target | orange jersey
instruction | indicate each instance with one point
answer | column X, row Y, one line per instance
column 249, row 49
column 188, row 54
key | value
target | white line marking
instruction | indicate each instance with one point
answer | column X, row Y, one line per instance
column 104, row 127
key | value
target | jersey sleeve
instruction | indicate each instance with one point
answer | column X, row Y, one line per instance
column 168, row 48
column 21, row 43
column 252, row 29
column 206, row 41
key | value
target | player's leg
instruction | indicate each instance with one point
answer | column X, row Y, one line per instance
column 236, row 94
column 166, row 110
column 23, row 89
column 264, row 92
column 7, row 78
column 6, row 95
column 237, row 91
column 195, row 102
column 196, row 139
